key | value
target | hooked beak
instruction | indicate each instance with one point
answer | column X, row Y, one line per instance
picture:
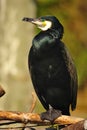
column 42, row 24
column 34, row 21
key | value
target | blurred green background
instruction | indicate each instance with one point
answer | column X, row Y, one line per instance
column 16, row 39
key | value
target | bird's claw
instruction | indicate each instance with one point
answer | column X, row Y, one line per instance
column 51, row 114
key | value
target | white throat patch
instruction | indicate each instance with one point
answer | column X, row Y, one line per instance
column 46, row 25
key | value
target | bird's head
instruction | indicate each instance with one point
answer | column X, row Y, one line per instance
column 45, row 22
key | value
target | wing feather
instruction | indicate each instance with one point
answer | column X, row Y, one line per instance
column 73, row 75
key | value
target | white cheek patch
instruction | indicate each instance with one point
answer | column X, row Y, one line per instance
column 47, row 26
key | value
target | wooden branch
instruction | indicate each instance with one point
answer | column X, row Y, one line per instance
column 19, row 117
column 81, row 125
column 67, row 120
column 2, row 91
column 35, row 118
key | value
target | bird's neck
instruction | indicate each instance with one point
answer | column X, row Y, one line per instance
column 46, row 40
column 56, row 34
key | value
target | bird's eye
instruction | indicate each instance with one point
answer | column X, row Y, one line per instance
column 42, row 20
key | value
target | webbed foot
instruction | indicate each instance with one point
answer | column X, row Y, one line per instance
column 51, row 114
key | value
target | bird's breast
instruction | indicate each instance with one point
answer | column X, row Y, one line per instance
column 49, row 66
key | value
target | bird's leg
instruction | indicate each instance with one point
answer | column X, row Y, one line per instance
column 51, row 114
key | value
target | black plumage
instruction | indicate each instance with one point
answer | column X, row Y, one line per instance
column 52, row 70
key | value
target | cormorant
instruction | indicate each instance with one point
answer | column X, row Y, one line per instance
column 52, row 70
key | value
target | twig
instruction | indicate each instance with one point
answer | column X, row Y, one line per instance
column 32, row 107
column 33, row 103
column 8, row 122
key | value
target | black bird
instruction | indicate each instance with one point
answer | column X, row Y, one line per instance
column 52, row 70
